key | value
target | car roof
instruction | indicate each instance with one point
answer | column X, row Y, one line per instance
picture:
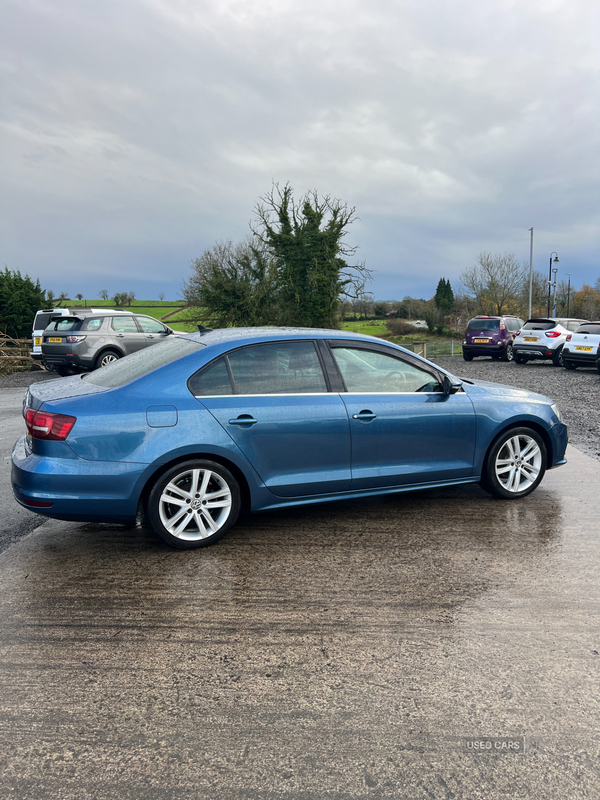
column 223, row 335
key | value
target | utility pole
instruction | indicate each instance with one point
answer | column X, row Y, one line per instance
column 530, row 272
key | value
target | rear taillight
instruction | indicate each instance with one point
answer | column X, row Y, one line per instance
column 47, row 425
column 502, row 326
column 569, row 337
column 552, row 334
column 518, row 333
column 74, row 339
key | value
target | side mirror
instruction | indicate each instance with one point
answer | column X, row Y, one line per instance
column 451, row 386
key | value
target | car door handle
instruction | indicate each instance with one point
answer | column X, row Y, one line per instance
column 244, row 421
column 120, row 335
column 365, row 416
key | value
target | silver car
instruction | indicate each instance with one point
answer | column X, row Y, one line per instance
column 83, row 342
column 582, row 348
column 544, row 339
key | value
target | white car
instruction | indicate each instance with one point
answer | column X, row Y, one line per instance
column 582, row 348
column 544, row 338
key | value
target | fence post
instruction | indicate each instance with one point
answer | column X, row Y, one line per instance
column 422, row 352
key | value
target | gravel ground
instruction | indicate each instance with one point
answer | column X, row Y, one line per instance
column 576, row 393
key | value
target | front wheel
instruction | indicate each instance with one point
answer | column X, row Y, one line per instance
column 194, row 504
column 508, row 354
column 515, row 464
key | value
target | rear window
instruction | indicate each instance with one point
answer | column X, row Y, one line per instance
column 484, row 325
column 141, row 363
column 65, row 324
column 539, row 325
column 42, row 321
column 590, row 327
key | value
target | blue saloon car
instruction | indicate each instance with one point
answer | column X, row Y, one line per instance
column 192, row 430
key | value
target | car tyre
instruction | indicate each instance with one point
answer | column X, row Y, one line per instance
column 467, row 357
column 508, row 354
column 557, row 358
column 597, row 366
column 569, row 364
column 106, row 357
column 515, row 464
column 194, row 504
column 519, row 359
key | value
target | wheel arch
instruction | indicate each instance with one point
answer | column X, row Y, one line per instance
column 522, row 423
column 109, row 348
column 246, row 500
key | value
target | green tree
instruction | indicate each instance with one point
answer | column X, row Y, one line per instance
column 444, row 296
column 233, row 285
column 20, row 298
column 305, row 239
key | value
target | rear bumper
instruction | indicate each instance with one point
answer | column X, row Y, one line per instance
column 492, row 349
column 580, row 358
column 77, row 490
column 535, row 350
column 67, row 360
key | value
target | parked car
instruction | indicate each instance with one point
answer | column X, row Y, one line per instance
column 44, row 317
column 207, row 423
column 89, row 341
column 544, row 338
column 582, row 348
column 491, row 336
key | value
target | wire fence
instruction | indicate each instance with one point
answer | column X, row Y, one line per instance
column 432, row 349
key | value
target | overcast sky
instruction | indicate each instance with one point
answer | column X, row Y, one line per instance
column 136, row 133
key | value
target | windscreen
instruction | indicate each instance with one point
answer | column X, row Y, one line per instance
column 141, row 363
column 484, row 325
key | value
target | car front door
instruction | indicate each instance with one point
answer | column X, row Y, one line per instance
column 154, row 330
column 273, row 401
column 405, row 429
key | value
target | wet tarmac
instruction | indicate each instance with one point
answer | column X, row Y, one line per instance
column 436, row 645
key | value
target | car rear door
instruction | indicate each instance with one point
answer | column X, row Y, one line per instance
column 274, row 401
column 405, row 429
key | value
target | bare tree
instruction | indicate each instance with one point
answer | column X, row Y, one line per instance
column 130, row 297
column 103, row 294
column 161, row 296
column 495, row 282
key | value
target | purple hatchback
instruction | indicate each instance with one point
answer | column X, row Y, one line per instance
column 491, row 336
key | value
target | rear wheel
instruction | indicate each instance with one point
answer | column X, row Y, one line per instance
column 508, row 354
column 557, row 358
column 467, row 357
column 598, row 366
column 194, row 504
column 569, row 364
column 64, row 371
column 515, row 464
column 519, row 359
column 105, row 358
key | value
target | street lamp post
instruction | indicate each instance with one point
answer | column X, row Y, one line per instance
column 553, row 253
column 568, row 294
column 530, row 271
column 555, row 270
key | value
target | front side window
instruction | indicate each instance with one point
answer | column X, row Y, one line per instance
column 151, row 325
column 124, row 325
column 275, row 368
column 370, row 371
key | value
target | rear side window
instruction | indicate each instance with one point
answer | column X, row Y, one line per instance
column 92, row 324
column 276, row 368
column 484, row 325
column 42, row 321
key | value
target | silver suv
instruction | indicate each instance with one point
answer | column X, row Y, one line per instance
column 88, row 341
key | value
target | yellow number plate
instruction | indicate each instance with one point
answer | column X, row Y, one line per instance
column 525, row 339
column 54, row 340
column 481, row 341
column 38, row 340
column 587, row 349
